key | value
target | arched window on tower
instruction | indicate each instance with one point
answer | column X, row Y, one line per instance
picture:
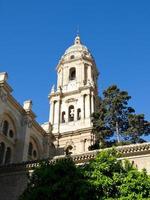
column 71, row 113
column 2, row 152
column 8, row 156
column 5, row 127
column 85, row 75
column 72, row 57
column 63, row 117
column 78, row 114
column 72, row 74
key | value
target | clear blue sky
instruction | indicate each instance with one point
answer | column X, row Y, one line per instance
column 34, row 34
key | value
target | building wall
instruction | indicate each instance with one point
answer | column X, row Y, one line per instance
column 19, row 129
column 13, row 179
column 12, row 184
column 141, row 161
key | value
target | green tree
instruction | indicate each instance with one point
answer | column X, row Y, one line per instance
column 116, row 103
column 114, row 179
column 58, row 181
column 104, row 178
column 115, row 117
column 137, row 127
column 101, row 129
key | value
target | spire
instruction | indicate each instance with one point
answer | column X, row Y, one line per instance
column 78, row 30
column 77, row 38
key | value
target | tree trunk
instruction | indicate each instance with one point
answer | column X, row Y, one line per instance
column 117, row 132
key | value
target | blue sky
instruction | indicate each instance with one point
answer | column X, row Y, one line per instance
column 34, row 34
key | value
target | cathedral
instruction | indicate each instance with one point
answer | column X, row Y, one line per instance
column 68, row 131
column 69, row 127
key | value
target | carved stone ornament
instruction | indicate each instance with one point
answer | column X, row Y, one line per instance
column 3, row 96
column 71, row 100
column 27, row 122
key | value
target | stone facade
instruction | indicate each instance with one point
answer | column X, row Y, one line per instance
column 69, row 128
column 23, row 142
column 74, row 100
column 21, row 137
column 138, row 154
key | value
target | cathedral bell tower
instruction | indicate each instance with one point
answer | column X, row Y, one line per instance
column 73, row 102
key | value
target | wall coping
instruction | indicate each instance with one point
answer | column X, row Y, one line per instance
column 126, row 151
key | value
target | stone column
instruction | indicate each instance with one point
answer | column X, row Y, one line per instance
column 51, row 116
column 65, row 75
column 59, row 103
column 83, row 145
column 83, row 107
column 83, row 74
column 57, row 114
column 92, row 103
column 89, row 73
column 89, row 105
column 26, row 129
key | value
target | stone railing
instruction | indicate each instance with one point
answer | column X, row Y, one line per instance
column 126, row 151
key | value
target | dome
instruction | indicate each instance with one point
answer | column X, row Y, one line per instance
column 77, row 50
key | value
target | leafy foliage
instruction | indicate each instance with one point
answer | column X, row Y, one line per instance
column 59, row 181
column 114, row 179
column 115, row 117
column 138, row 126
column 104, row 178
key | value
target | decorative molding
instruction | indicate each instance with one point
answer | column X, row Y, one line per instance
column 27, row 122
column 71, row 100
column 3, row 96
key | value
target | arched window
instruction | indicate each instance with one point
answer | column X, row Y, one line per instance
column 72, row 57
column 8, row 156
column 30, row 149
column 72, row 74
column 71, row 113
column 2, row 152
column 86, row 74
column 78, row 114
column 33, row 150
column 63, row 117
column 11, row 133
column 68, row 150
column 5, row 127
column 34, row 154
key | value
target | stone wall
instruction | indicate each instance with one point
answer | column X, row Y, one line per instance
column 12, row 184
column 13, row 178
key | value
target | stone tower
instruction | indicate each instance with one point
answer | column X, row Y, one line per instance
column 73, row 101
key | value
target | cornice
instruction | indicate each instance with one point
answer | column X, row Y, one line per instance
column 129, row 150
column 31, row 114
column 6, row 86
column 39, row 128
column 16, row 104
column 73, row 133
column 64, row 94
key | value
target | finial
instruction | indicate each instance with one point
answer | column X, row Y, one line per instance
column 3, row 77
column 27, row 105
column 77, row 38
column 53, row 89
